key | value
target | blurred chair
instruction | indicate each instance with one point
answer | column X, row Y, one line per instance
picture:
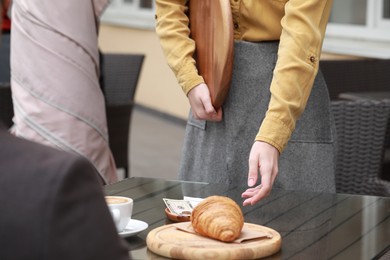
column 355, row 75
column 361, row 130
column 5, row 73
column 120, row 77
column 6, row 108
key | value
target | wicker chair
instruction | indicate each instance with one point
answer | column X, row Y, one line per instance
column 5, row 73
column 6, row 108
column 361, row 129
column 120, row 76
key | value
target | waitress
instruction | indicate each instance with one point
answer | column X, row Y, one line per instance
column 275, row 127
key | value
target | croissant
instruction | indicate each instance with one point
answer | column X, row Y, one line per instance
column 218, row 217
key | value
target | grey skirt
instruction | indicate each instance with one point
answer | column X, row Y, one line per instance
column 218, row 152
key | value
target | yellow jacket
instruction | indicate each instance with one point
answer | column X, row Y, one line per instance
column 298, row 24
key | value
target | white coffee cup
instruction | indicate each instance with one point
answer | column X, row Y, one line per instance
column 121, row 209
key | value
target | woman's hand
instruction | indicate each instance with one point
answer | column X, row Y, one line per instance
column 263, row 160
column 201, row 106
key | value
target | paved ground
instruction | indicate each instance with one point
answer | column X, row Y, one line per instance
column 155, row 144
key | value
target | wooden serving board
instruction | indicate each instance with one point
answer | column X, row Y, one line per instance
column 171, row 242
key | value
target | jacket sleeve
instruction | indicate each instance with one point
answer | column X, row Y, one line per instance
column 174, row 34
column 303, row 31
column 81, row 226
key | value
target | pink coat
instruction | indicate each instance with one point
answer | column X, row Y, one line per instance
column 55, row 78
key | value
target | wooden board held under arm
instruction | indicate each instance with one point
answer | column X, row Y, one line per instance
column 211, row 26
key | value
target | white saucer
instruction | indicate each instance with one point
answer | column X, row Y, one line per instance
column 133, row 228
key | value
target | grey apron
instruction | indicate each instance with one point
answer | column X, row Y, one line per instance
column 218, row 152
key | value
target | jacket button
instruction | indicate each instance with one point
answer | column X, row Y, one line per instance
column 312, row 59
column 236, row 25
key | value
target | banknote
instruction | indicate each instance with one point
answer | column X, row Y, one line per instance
column 194, row 201
column 179, row 207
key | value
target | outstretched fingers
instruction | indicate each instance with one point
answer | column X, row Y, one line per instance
column 254, row 195
column 263, row 161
